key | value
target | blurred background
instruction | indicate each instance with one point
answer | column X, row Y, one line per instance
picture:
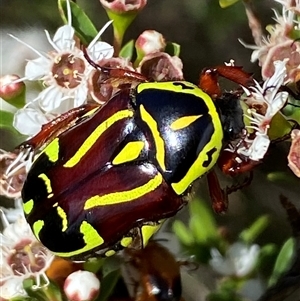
column 208, row 34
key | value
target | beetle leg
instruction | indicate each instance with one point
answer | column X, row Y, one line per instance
column 218, row 196
column 56, row 126
column 208, row 81
column 114, row 73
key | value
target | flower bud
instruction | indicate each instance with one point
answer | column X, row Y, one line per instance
column 82, row 286
column 122, row 6
column 122, row 12
column 150, row 41
column 12, row 90
column 294, row 154
column 160, row 66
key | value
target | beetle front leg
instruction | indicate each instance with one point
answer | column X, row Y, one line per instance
column 208, row 80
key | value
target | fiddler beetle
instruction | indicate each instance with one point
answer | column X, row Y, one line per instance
column 107, row 177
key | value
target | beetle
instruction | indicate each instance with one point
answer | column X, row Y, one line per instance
column 153, row 273
column 107, row 177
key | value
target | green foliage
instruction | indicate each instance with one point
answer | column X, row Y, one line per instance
column 250, row 234
column 83, row 26
column 227, row 3
column 283, row 261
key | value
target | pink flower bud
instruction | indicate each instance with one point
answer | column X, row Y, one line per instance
column 82, row 286
column 160, row 66
column 122, row 6
column 10, row 87
column 294, row 154
column 150, row 41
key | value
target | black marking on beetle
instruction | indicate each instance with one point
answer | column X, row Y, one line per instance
column 183, row 86
column 209, row 155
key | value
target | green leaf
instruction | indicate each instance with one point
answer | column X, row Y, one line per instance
column 127, row 50
column 226, row 3
column 93, row 265
column 183, row 233
column 279, row 127
column 23, row 298
column 250, row 234
column 6, row 123
column 202, row 223
column 107, row 285
column 85, row 29
column 47, row 292
column 283, row 261
column 172, row 49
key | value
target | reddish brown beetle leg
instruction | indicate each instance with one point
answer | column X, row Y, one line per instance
column 208, row 81
column 218, row 196
column 59, row 124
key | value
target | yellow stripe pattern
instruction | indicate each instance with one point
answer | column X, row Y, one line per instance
column 91, row 239
column 64, row 218
column 183, row 122
column 123, row 196
column 27, row 207
column 158, row 140
column 130, row 152
column 52, row 150
column 94, row 136
column 47, row 182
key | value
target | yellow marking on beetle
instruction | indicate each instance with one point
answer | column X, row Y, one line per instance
column 183, row 122
column 197, row 169
column 159, row 142
column 37, row 227
column 64, row 218
column 123, row 196
column 94, row 136
column 46, row 181
column 126, row 241
column 50, row 196
column 148, row 231
column 52, row 150
column 110, row 253
column 54, row 205
column 91, row 239
column 92, row 111
column 27, row 207
column 130, row 152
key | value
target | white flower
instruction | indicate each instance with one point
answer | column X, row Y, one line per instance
column 22, row 257
column 269, row 102
column 13, row 214
column 238, row 261
column 82, row 286
column 63, row 71
column 13, row 171
column 280, row 44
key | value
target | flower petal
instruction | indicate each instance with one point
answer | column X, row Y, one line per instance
column 64, row 37
column 50, row 98
column 36, row 69
column 28, row 121
column 12, row 288
column 100, row 50
column 80, row 95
